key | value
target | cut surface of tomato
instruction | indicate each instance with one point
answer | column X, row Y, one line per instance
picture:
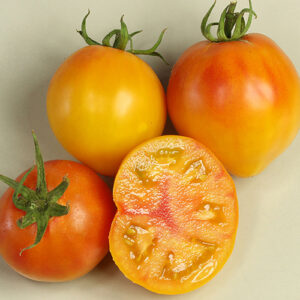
column 177, row 215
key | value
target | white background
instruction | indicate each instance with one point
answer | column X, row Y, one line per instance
column 36, row 37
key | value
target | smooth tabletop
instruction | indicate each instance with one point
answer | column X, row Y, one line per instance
column 37, row 36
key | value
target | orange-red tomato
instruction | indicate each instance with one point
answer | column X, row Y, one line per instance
column 239, row 98
column 72, row 244
column 177, row 215
column 102, row 102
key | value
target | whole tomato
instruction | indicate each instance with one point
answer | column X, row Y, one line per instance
column 55, row 230
column 238, row 94
column 103, row 101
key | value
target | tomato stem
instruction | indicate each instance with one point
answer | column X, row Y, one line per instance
column 40, row 205
column 121, row 39
column 231, row 26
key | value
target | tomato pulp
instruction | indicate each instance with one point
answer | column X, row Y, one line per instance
column 177, row 215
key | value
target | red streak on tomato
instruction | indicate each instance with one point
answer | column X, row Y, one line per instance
column 163, row 211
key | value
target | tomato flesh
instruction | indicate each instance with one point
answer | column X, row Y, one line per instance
column 177, row 215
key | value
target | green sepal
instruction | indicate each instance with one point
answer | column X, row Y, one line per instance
column 135, row 33
column 221, row 29
column 239, row 31
column 229, row 21
column 121, row 39
column 150, row 51
column 131, row 41
column 42, row 223
column 157, row 54
column 23, row 190
column 57, row 192
column 41, row 185
column 57, row 210
column 206, row 32
column 20, row 201
column 83, row 32
column 243, row 25
column 26, row 220
column 108, row 37
column 122, row 36
column 39, row 204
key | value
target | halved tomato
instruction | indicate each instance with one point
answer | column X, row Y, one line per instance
column 177, row 215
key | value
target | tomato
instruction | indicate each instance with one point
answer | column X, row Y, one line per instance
column 73, row 243
column 177, row 215
column 240, row 98
column 102, row 102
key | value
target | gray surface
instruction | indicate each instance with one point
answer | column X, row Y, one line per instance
column 36, row 36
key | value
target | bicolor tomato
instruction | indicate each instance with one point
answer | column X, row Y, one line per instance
column 177, row 215
column 237, row 94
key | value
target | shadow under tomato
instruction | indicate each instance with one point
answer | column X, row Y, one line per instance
column 169, row 128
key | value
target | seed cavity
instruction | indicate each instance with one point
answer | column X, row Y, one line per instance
column 204, row 215
column 131, row 255
column 195, row 171
column 181, row 264
column 131, row 230
column 129, row 241
column 164, row 158
column 210, row 212
column 147, row 175
column 142, row 242
column 167, row 156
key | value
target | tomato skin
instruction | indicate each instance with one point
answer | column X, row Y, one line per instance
column 102, row 102
column 239, row 98
column 72, row 244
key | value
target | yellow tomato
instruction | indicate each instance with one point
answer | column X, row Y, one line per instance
column 102, row 102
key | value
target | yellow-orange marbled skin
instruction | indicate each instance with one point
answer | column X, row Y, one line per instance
column 239, row 98
column 177, row 215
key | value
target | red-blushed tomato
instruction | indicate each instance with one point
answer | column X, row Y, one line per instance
column 177, row 215
column 102, row 102
column 239, row 98
column 73, row 244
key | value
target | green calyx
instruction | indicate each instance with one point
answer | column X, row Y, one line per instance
column 39, row 205
column 232, row 25
column 121, row 39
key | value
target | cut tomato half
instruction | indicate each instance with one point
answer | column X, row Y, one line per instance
column 177, row 215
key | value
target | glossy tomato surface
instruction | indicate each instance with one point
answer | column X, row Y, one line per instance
column 177, row 215
column 239, row 98
column 72, row 244
column 102, row 102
